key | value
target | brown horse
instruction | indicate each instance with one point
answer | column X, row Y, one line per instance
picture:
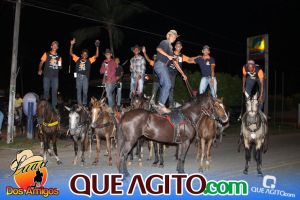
column 103, row 125
column 49, row 128
column 137, row 123
column 207, row 132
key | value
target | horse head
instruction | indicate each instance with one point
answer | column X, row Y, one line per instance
column 219, row 110
column 74, row 117
column 98, row 107
column 252, row 104
column 137, row 102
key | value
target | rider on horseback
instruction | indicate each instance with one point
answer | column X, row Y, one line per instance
column 253, row 76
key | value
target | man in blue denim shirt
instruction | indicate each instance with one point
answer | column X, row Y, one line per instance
column 207, row 66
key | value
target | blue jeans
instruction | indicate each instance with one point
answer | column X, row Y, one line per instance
column 119, row 94
column 1, row 119
column 133, row 85
column 164, row 80
column 82, row 85
column 205, row 81
column 53, row 83
column 110, row 87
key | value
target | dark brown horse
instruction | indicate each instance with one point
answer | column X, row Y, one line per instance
column 207, row 132
column 140, row 122
column 49, row 128
column 103, row 125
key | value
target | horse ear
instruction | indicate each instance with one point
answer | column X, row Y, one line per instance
column 92, row 100
column 78, row 108
column 68, row 108
column 255, row 96
column 102, row 100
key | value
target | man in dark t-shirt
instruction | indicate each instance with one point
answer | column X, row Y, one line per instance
column 52, row 63
column 207, row 67
column 83, row 66
column 165, row 55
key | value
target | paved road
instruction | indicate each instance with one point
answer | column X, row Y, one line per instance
column 282, row 160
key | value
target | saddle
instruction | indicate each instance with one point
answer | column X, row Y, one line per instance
column 176, row 119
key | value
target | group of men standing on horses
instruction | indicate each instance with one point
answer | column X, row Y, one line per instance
column 166, row 65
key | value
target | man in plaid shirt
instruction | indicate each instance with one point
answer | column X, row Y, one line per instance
column 137, row 69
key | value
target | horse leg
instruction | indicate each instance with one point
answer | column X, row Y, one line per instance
column 202, row 146
column 161, row 155
column 247, row 156
column 156, row 160
column 108, row 148
column 84, row 142
column 150, row 148
column 185, row 148
column 124, row 152
column 55, row 150
column 208, row 153
column 176, row 152
column 75, row 149
column 258, row 157
column 198, row 150
column 97, row 149
column 46, row 146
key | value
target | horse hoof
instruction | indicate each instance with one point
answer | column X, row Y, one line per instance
column 200, row 170
column 95, row 163
column 110, row 164
column 59, row 162
column 260, row 174
column 129, row 163
column 154, row 165
column 245, row 172
column 161, row 166
column 140, row 164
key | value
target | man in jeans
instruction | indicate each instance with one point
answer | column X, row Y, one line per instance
column 108, row 69
column 207, row 66
column 119, row 75
column 165, row 55
column 52, row 63
column 173, row 71
column 137, row 69
column 83, row 66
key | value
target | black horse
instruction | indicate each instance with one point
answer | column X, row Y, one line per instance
column 140, row 122
column 49, row 127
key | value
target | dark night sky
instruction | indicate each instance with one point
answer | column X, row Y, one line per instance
column 223, row 25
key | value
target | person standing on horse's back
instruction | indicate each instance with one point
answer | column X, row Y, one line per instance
column 207, row 66
column 108, row 69
column 164, row 56
column 137, row 69
column 52, row 65
column 83, row 66
column 252, row 76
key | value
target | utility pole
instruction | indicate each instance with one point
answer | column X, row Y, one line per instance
column 13, row 74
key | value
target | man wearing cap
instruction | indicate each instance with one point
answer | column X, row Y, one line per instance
column 137, row 69
column 155, row 81
column 165, row 56
column 83, row 66
column 52, row 63
column 252, row 76
column 207, row 67
column 173, row 71
column 108, row 69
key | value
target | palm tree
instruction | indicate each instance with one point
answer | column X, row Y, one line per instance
column 110, row 12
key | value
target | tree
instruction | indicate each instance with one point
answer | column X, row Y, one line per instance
column 110, row 12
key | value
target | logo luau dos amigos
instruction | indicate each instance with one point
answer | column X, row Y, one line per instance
column 30, row 175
